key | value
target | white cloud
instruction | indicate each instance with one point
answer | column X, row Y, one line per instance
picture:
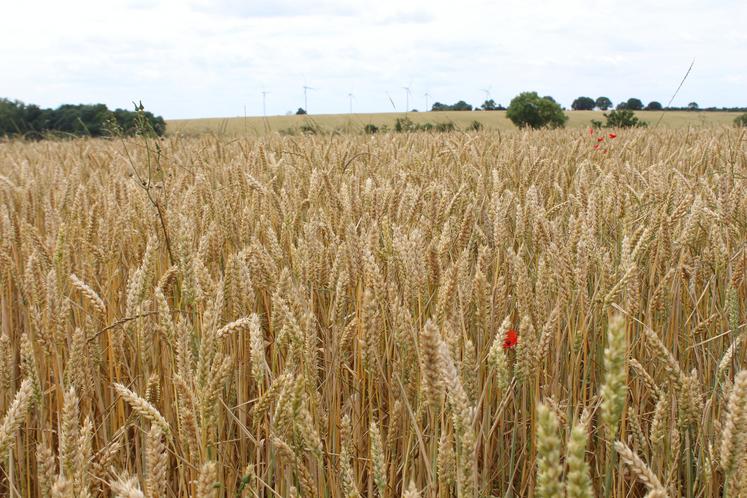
column 275, row 8
column 210, row 58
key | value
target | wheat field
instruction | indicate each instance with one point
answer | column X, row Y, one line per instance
column 421, row 315
column 355, row 123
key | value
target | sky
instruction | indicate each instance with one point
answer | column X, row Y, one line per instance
column 214, row 58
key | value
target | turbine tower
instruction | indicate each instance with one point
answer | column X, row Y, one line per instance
column 427, row 95
column 350, row 97
column 264, row 103
column 407, row 97
column 305, row 98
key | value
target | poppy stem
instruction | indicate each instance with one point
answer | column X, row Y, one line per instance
column 512, row 460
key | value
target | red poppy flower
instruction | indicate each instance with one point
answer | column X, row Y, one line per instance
column 596, row 146
column 591, row 131
column 600, row 139
column 612, row 135
column 511, row 339
column 604, row 151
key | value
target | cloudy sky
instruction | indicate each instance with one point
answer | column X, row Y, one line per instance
column 201, row 58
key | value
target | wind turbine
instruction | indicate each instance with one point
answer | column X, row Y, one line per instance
column 350, row 96
column 426, row 100
column 391, row 100
column 487, row 92
column 305, row 98
column 264, row 102
column 407, row 97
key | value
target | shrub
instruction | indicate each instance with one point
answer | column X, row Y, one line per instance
column 530, row 110
column 310, row 129
column 623, row 118
column 741, row 120
column 445, row 127
column 475, row 126
column 405, row 125
column 370, row 129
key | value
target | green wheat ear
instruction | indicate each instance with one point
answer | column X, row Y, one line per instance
column 614, row 389
column 549, row 468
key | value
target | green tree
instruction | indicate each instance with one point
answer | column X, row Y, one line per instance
column 603, row 103
column 33, row 122
column 654, row 106
column 693, row 106
column 489, row 105
column 459, row 106
column 634, row 104
column 11, row 118
column 583, row 104
column 301, row 111
column 741, row 120
column 530, row 110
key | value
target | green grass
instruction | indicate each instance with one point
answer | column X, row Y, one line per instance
column 355, row 122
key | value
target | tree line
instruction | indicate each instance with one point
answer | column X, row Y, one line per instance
column 589, row 104
column 18, row 119
column 635, row 104
column 529, row 110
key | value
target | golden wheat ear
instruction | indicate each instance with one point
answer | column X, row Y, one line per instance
column 14, row 416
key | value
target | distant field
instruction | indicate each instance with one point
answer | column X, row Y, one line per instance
column 356, row 122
